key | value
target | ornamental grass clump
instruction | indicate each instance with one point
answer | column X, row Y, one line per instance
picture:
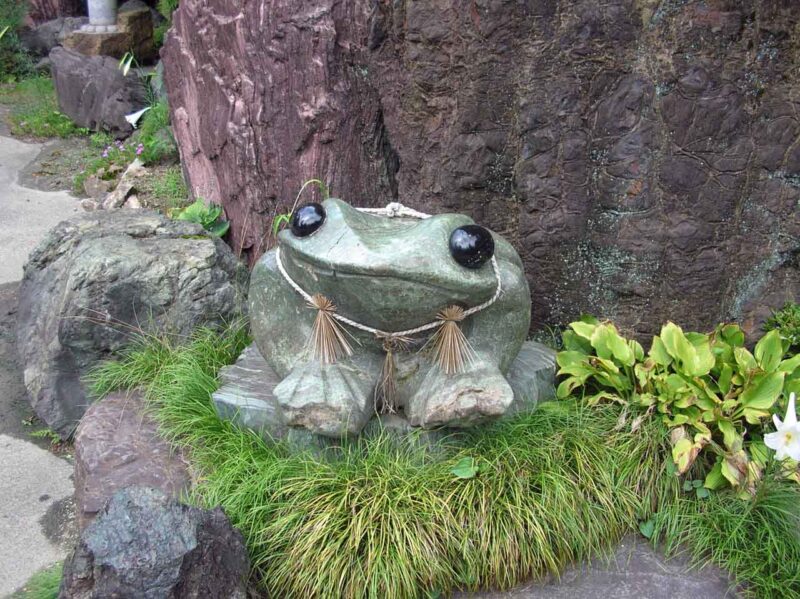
column 715, row 396
column 376, row 517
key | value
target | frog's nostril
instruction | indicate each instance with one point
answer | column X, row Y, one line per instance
column 307, row 219
column 471, row 246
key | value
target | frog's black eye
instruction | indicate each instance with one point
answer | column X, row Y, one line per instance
column 471, row 246
column 307, row 219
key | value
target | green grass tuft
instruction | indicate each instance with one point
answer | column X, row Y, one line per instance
column 34, row 110
column 758, row 540
column 42, row 585
column 384, row 519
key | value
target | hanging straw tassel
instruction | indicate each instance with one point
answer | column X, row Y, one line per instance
column 327, row 336
column 388, row 382
column 451, row 348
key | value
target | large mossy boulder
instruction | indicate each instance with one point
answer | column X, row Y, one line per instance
column 100, row 278
column 641, row 156
column 148, row 546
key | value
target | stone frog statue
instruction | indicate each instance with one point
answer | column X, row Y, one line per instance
column 388, row 272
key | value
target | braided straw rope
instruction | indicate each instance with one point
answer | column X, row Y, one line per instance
column 393, row 210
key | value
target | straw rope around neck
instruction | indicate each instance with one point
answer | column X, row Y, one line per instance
column 451, row 348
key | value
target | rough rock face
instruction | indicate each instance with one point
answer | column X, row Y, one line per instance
column 41, row 39
column 97, row 278
column 643, row 156
column 94, row 93
column 40, row 11
column 146, row 545
column 116, row 446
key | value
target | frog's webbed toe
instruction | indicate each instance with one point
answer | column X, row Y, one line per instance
column 328, row 399
column 460, row 400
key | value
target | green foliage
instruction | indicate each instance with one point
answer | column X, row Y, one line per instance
column 166, row 8
column 709, row 389
column 170, row 186
column 378, row 518
column 42, row 585
column 757, row 541
column 110, row 161
column 209, row 216
column 34, row 110
column 47, row 433
column 156, row 136
column 15, row 61
column 787, row 322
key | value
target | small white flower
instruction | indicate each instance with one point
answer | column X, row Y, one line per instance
column 786, row 438
column 134, row 117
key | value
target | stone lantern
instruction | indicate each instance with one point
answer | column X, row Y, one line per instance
column 102, row 17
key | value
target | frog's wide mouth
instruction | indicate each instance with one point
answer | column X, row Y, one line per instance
column 456, row 287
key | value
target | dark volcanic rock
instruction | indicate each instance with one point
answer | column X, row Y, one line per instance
column 148, row 546
column 116, row 446
column 99, row 277
column 93, row 91
column 642, row 156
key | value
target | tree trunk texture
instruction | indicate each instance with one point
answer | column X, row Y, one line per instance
column 642, row 155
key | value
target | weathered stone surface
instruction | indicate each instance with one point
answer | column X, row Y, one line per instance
column 126, row 187
column 149, row 546
column 135, row 21
column 392, row 274
column 39, row 40
column 116, row 446
column 641, row 156
column 93, row 91
column 100, row 276
column 634, row 571
column 246, row 396
column 90, row 43
column 40, row 11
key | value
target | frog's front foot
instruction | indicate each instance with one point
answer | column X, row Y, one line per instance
column 334, row 400
column 460, row 400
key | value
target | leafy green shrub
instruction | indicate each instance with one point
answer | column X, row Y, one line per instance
column 156, row 136
column 210, row 216
column 166, row 8
column 709, row 389
column 34, row 110
column 787, row 322
column 15, row 62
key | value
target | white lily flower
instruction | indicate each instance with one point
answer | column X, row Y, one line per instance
column 786, row 438
column 134, row 117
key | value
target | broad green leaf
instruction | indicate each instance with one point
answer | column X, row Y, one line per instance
column 659, row 353
column 789, row 365
column 465, row 468
column 762, row 391
column 702, row 493
column 636, row 348
column 769, row 351
column 732, row 334
column 729, row 434
column 647, row 528
column 676, row 343
column 575, row 342
column 759, row 453
column 734, row 468
column 724, row 380
column 568, row 358
column 714, row 479
column 744, row 359
column 219, row 228
column 567, row 386
column 753, row 416
column 583, row 329
column 684, row 454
